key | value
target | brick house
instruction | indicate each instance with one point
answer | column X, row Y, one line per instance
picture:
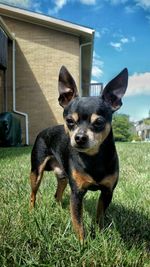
column 33, row 47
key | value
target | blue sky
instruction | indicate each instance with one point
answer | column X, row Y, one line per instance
column 122, row 39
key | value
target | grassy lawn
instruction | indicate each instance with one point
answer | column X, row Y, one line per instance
column 45, row 237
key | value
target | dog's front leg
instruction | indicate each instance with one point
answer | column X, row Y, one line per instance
column 76, row 207
column 103, row 202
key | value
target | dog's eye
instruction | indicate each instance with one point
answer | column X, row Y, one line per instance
column 70, row 122
column 99, row 123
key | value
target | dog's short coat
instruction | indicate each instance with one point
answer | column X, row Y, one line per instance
column 82, row 152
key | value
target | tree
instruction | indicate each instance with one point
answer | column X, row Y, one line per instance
column 147, row 121
column 122, row 128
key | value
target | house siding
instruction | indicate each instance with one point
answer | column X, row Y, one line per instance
column 40, row 52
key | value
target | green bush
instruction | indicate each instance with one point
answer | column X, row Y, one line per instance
column 135, row 137
column 122, row 128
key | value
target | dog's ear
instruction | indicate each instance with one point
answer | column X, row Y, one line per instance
column 115, row 90
column 66, row 86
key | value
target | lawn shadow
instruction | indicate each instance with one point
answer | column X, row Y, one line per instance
column 66, row 200
column 133, row 226
column 13, row 152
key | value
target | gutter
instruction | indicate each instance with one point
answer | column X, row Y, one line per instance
column 25, row 115
column 41, row 19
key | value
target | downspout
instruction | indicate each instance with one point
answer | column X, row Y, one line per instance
column 25, row 115
column 81, row 46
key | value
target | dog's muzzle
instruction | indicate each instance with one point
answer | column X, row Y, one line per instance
column 81, row 139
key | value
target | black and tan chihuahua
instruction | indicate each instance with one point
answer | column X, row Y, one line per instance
column 82, row 151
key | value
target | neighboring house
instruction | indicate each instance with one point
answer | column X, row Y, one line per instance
column 143, row 129
column 33, row 47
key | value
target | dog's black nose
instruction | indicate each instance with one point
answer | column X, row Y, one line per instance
column 81, row 139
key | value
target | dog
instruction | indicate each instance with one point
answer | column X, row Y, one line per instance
column 81, row 152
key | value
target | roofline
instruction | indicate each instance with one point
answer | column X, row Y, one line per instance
column 148, row 118
column 85, row 34
column 47, row 21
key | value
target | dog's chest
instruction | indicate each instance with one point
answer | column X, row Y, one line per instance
column 93, row 174
column 85, row 181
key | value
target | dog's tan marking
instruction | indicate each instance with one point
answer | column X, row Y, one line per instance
column 66, row 127
column 109, row 181
column 75, row 116
column 96, row 139
column 72, row 135
column 33, row 179
column 36, row 180
column 77, row 222
column 100, row 137
column 42, row 167
column 94, row 117
column 61, row 185
column 70, row 132
column 82, row 180
column 43, row 164
column 55, row 166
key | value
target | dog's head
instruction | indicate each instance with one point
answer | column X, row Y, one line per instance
column 88, row 119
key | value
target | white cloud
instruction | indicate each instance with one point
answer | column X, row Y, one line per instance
column 117, row 46
column 130, row 9
column 37, row 7
column 132, row 6
column 124, row 40
column 97, row 60
column 88, row 2
column 37, row 4
column 142, row 3
column 94, row 81
column 116, row 2
column 97, row 69
column 101, row 32
column 23, row 3
column 139, row 83
column 58, row 5
column 145, row 4
column 97, row 34
column 97, row 72
column 104, row 30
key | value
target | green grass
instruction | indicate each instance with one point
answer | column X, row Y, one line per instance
column 45, row 237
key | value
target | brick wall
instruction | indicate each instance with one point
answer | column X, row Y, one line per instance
column 40, row 52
